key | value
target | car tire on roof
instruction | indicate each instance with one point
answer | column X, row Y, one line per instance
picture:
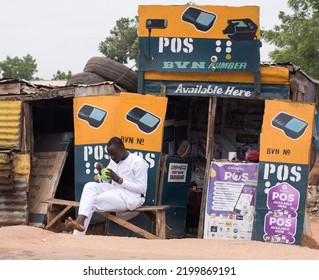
column 85, row 78
column 114, row 71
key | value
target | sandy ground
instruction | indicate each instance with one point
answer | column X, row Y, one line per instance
column 31, row 243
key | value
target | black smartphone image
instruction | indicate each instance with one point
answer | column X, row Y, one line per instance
column 293, row 127
column 246, row 196
column 144, row 120
column 93, row 115
column 156, row 23
column 241, row 29
column 202, row 20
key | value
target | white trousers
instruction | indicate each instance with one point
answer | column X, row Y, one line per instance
column 104, row 197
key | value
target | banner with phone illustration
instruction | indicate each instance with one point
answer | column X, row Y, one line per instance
column 141, row 121
column 199, row 38
column 283, row 172
column 231, row 200
column 95, row 118
column 286, row 131
column 133, row 118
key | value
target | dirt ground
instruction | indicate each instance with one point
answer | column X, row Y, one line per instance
column 31, row 243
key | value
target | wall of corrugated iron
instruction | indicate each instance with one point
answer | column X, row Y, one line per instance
column 14, row 181
column 10, row 124
column 14, row 166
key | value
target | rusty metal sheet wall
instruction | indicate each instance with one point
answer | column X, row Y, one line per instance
column 10, row 124
column 14, row 182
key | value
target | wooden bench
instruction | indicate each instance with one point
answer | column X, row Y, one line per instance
column 157, row 213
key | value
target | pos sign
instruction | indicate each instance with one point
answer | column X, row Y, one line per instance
column 283, row 172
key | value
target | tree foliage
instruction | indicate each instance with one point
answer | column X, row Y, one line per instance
column 122, row 44
column 21, row 68
column 297, row 37
column 62, row 75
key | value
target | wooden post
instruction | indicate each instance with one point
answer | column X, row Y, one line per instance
column 209, row 157
column 160, row 224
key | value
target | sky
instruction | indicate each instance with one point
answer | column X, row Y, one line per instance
column 64, row 34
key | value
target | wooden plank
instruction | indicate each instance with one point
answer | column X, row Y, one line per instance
column 151, row 215
column 161, row 178
column 50, row 94
column 76, row 204
column 307, row 226
column 28, row 128
column 10, row 88
column 128, row 225
column 152, row 208
column 209, row 157
column 62, row 202
column 160, row 229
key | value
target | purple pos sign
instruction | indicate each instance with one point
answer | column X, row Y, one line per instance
column 283, row 197
column 280, row 222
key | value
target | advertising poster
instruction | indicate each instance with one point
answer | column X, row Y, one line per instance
column 95, row 118
column 133, row 118
column 283, row 172
column 231, row 200
column 199, row 39
column 141, row 121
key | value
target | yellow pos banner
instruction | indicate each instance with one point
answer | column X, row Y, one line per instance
column 137, row 119
column 197, row 21
column 286, row 131
column 141, row 121
column 95, row 118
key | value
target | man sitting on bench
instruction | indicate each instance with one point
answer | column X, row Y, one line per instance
column 126, row 192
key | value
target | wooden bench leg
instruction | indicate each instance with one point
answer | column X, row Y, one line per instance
column 57, row 217
column 160, row 224
column 152, row 216
column 128, row 225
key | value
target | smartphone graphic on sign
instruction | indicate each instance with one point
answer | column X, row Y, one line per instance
column 202, row 20
column 94, row 116
column 246, row 196
column 293, row 127
column 156, row 23
column 144, row 120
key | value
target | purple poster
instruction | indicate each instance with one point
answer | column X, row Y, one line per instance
column 280, row 224
column 231, row 200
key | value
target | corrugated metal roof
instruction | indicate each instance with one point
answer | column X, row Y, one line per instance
column 49, row 83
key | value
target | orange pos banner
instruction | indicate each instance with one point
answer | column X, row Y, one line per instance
column 137, row 119
column 141, row 121
column 95, row 118
column 286, row 132
column 196, row 21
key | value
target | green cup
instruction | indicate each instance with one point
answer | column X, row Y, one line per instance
column 105, row 177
